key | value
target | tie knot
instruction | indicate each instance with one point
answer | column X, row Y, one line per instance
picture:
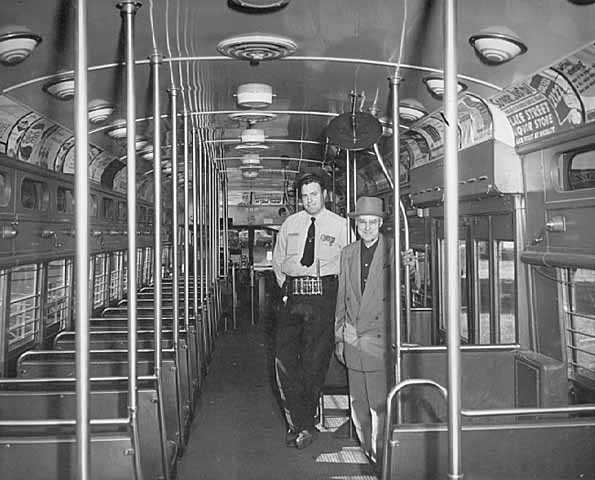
column 312, row 219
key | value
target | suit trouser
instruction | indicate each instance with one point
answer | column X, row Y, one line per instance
column 367, row 393
column 304, row 345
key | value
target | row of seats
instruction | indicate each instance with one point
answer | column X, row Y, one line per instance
column 43, row 398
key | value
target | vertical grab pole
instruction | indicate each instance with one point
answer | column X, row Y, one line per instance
column 157, row 258
column 128, row 10
column 200, row 203
column 234, row 297
column 197, row 308
column 176, row 257
column 451, row 207
column 81, row 179
column 395, row 327
column 187, row 231
column 348, row 194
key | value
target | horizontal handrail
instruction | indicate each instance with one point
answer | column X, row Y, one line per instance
column 464, row 348
column 59, row 423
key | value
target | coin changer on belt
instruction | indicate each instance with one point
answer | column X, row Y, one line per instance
column 304, row 285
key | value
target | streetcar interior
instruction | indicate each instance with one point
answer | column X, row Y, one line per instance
column 250, row 90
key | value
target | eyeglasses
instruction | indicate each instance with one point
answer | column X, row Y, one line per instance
column 373, row 222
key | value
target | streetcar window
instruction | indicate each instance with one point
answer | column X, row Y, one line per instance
column 108, row 208
column 64, row 200
column 93, row 210
column 58, row 309
column 101, row 280
column 23, row 314
column 580, row 170
column 147, row 270
column 122, row 213
column 581, row 323
column 150, row 216
column 142, row 214
column 125, row 273
column 34, row 195
column 116, row 275
column 5, row 190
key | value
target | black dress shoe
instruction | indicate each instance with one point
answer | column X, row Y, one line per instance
column 290, row 438
column 304, row 438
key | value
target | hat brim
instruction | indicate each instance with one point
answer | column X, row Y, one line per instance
column 359, row 214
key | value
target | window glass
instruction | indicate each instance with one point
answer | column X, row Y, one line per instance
column 5, row 190
column 115, row 276
column 581, row 328
column 23, row 316
column 581, row 170
column 101, row 280
column 108, row 208
column 34, row 195
column 421, row 289
column 59, row 292
column 506, row 291
column 483, row 263
column 93, row 211
column 142, row 214
column 263, row 248
column 122, row 213
column 464, row 290
column 64, row 200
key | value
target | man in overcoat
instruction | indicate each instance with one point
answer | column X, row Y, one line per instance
column 362, row 320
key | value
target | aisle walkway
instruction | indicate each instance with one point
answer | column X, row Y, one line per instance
column 238, row 432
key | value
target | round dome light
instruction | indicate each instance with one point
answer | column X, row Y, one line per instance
column 411, row 110
column 16, row 44
column 435, row 85
column 255, row 95
column 252, row 136
column 250, row 173
column 257, row 47
column 61, row 87
column 497, row 45
column 117, row 130
column 99, row 110
column 251, row 159
column 140, row 142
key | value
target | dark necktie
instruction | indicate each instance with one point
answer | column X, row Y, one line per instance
column 308, row 256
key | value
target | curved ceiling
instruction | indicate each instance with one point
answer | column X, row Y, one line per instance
column 370, row 30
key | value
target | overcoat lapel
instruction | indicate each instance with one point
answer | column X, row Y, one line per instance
column 355, row 272
column 374, row 282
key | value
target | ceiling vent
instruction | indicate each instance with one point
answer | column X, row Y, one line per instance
column 257, row 47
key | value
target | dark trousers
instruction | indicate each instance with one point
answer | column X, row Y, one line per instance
column 304, row 345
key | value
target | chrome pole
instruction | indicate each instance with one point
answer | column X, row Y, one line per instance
column 196, row 252
column 176, row 257
column 451, row 207
column 354, row 178
column 127, row 11
column 157, row 258
column 396, row 325
column 348, row 195
column 81, row 184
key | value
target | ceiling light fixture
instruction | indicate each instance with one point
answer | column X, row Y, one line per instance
column 16, row 44
column 251, row 160
column 117, row 130
column 252, row 136
column 99, row 110
column 252, row 116
column 497, row 45
column 254, row 95
column 61, row 87
column 257, row 47
column 411, row 110
column 435, row 85
column 259, row 6
column 249, row 147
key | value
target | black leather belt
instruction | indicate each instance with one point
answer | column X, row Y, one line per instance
column 309, row 285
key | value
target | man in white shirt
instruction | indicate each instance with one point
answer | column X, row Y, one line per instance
column 306, row 264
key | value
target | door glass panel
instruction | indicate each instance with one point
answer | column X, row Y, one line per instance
column 263, row 249
column 59, row 292
column 506, row 291
column 484, row 290
column 464, row 289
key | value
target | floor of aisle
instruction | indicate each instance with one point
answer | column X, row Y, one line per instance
column 238, row 431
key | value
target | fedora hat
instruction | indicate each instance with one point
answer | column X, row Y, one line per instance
column 368, row 206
